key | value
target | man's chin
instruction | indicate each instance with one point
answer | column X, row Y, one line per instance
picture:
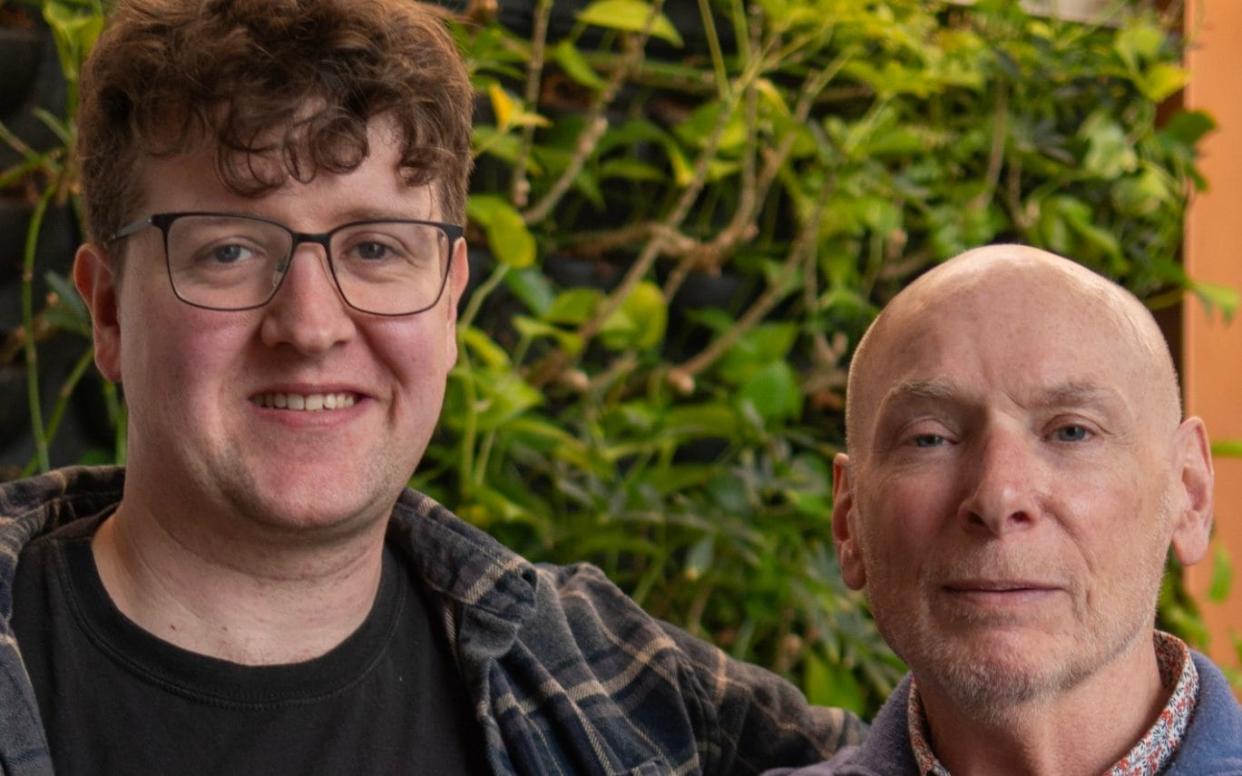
column 991, row 677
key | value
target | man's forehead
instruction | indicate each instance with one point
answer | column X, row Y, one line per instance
column 1067, row 393
column 1014, row 318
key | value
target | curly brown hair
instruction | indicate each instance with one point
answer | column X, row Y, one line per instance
column 281, row 88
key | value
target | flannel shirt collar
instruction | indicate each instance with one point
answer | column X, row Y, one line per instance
column 1153, row 752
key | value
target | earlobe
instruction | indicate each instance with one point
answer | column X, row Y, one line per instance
column 1193, row 522
column 844, row 536
column 95, row 279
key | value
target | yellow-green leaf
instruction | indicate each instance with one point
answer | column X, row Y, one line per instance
column 1162, row 81
column 507, row 236
column 575, row 65
column 502, row 106
column 630, row 16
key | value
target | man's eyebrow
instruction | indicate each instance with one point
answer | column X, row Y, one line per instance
column 372, row 214
column 1069, row 394
column 1078, row 394
column 914, row 390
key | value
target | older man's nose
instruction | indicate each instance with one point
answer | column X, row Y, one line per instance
column 307, row 312
column 1002, row 483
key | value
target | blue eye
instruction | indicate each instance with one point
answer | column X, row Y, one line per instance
column 929, row 440
column 1071, row 433
column 228, row 254
column 371, row 251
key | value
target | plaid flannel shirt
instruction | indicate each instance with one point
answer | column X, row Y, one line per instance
column 567, row 674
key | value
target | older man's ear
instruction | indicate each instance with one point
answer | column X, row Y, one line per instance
column 1193, row 520
column 844, row 532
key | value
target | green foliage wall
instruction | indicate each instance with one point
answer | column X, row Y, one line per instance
column 692, row 223
column 683, row 220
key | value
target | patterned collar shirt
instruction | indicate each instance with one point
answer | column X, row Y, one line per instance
column 1148, row 757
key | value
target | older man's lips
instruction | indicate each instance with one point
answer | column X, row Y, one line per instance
column 1001, row 592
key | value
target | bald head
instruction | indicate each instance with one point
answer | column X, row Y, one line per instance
column 1024, row 293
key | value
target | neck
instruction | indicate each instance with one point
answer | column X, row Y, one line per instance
column 1080, row 731
column 251, row 602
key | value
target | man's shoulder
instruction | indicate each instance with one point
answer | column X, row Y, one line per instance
column 61, row 494
column 639, row 685
column 1213, row 742
column 885, row 751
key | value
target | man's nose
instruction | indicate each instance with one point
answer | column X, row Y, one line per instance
column 307, row 312
column 1002, row 482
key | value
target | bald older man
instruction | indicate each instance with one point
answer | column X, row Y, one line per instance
column 1017, row 471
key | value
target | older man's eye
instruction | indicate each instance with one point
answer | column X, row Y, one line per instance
column 1071, row 433
column 929, row 440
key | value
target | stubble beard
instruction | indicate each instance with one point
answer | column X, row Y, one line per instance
column 992, row 684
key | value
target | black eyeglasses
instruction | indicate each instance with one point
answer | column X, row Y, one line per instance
column 227, row 262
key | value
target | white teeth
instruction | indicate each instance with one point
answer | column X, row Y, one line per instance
column 311, row 402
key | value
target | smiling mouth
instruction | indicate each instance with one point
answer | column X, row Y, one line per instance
column 305, row 402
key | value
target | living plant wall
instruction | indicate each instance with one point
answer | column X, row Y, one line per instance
column 683, row 217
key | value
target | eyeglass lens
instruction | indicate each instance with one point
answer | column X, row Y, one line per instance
column 230, row 263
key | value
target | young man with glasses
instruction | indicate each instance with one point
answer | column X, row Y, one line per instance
column 275, row 191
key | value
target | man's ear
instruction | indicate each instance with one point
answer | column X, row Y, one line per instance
column 1193, row 522
column 459, row 275
column 844, row 535
column 95, row 279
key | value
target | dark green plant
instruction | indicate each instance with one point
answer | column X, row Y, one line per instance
column 808, row 157
column 47, row 178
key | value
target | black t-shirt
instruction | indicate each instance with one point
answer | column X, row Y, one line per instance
column 116, row 699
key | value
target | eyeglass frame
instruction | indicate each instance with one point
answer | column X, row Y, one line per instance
column 164, row 221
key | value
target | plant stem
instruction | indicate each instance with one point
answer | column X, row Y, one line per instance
column 713, row 43
column 596, row 123
column 803, row 249
column 66, row 391
column 481, row 293
column 519, row 190
column 28, row 322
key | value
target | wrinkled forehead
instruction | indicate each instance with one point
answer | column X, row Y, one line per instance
column 1013, row 330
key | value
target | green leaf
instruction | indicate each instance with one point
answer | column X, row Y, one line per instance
column 507, row 236
column 69, row 313
column 1216, row 296
column 1227, row 448
column 492, row 355
column 75, row 33
column 699, row 558
column 1109, row 152
column 506, row 395
column 756, row 348
column 533, row 329
column 694, row 421
column 630, row 169
column 773, row 391
column 1162, row 81
column 831, row 685
column 629, row 16
column 532, row 288
column 640, row 321
column 1188, row 127
column 573, row 307
column 1139, row 42
column 1222, row 576
column 575, row 65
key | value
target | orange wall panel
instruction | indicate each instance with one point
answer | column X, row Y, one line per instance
column 1212, row 350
